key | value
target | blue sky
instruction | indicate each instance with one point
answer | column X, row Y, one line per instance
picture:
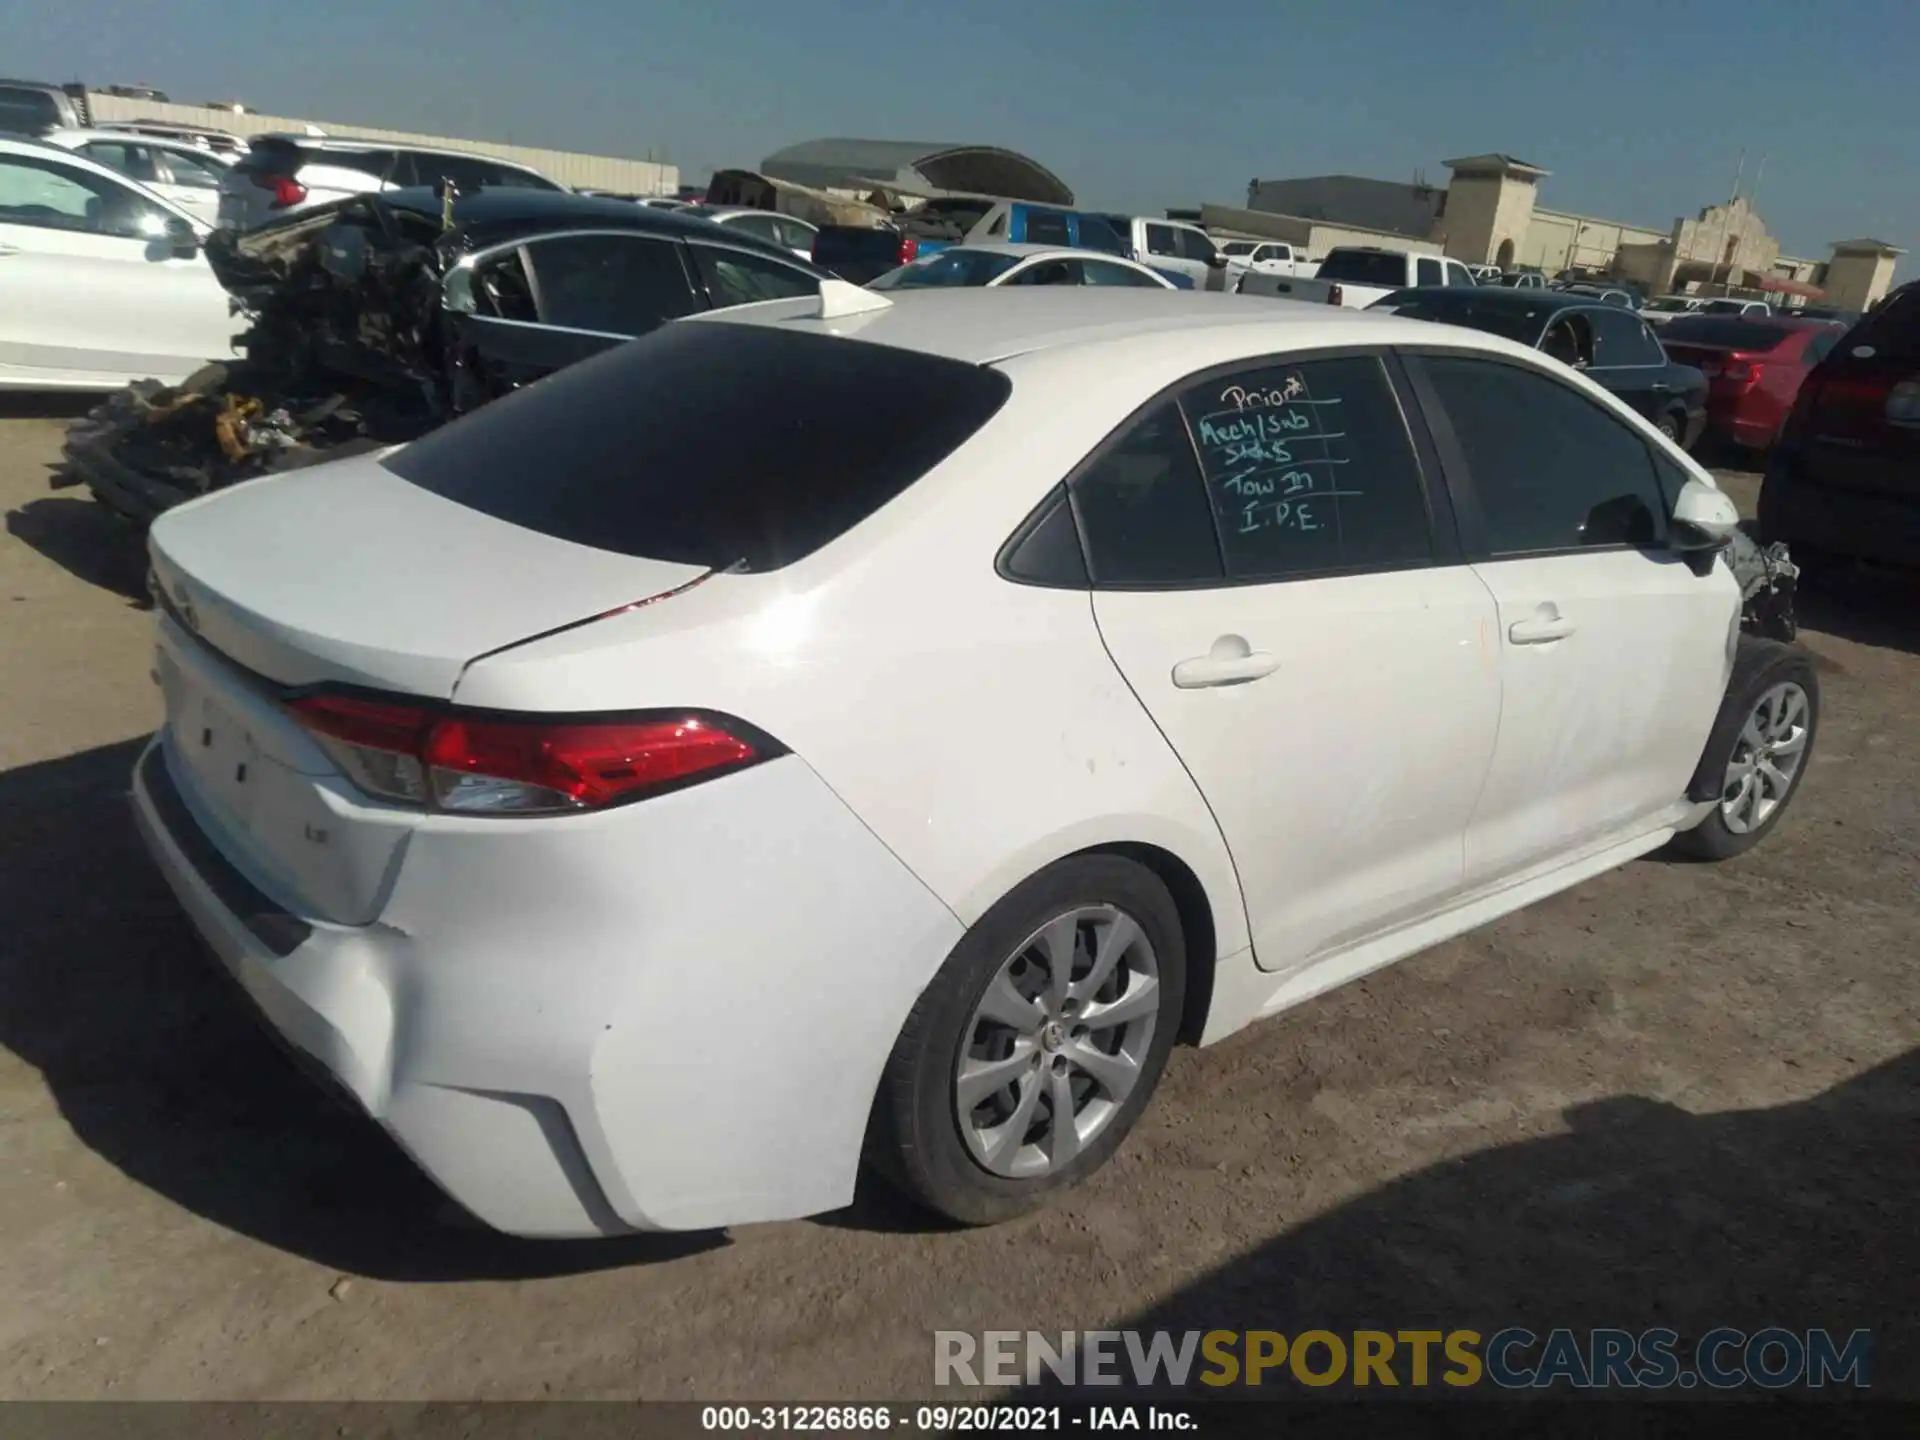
column 1640, row 110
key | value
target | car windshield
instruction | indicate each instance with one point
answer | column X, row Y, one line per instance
column 1519, row 322
column 775, row 443
column 949, row 268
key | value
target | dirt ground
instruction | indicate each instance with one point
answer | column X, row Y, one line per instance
column 1678, row 1094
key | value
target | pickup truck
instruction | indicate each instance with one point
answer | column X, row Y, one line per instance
column 1265, row 257
column 1184, row 253
column 1288, row 287
column 1365, row 273
column 859, row 254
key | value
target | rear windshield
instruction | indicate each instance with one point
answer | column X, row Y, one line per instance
column 27, row 112
column 1364, row 267
column 1894, row 329
column 947, row 269
column 1723, row 332
column 711, row 444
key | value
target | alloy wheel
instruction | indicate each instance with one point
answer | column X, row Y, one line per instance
column 1766, row 757
column 1057, row 1042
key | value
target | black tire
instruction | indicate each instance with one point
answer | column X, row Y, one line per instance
column 915, row 1139
column 1671, row 425
column 1759, row 666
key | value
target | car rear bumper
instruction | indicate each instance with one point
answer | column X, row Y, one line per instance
column 670, row 1016
column 1867, row 522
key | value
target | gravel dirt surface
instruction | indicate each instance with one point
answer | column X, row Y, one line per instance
column 1678, row 1094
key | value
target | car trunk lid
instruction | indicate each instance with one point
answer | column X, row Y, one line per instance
column 283, row 586
column 288, row 579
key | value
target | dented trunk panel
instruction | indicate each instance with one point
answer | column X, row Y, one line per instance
column 266, row 795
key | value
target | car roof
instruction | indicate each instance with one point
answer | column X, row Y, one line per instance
column 1508, row 297
column 345, row 143
column 81, row 136
column 488, row 216
column 983, row 325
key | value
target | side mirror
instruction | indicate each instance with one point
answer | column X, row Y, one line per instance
column 182, row 239
column 1704, row 518
column 1217, row 261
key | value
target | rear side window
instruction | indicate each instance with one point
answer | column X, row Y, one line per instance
column 611, row 284
column 1097, row 234
column 381, row 164
column 1309, row 470
column 775, row 444
column 1551, row 470
column 1161, row 240
column 1143, row 510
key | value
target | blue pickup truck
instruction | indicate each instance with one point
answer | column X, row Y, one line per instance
column 860, row 254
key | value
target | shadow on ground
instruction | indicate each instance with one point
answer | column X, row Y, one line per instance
column 1865, row 606
column 48, row 404
column 1641, row 1215
column 161, row 1070
column 87, row 540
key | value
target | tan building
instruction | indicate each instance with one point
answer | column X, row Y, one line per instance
column 1489, row 214
column 1860, row 273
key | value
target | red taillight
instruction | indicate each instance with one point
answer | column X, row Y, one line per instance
column 1740, row 369
column 286, row 190
column 909, row 248
column 518, row 765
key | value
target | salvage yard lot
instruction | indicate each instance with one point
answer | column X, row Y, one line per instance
column 1678, row 1094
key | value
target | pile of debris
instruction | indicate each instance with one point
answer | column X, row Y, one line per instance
column 152, row 446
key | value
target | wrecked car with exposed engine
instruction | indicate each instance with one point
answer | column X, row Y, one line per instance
column 377, row 318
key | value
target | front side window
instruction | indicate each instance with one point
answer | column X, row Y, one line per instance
column 794, row 234
column 735, row 278
column 197, row 172
column 52, row 196
column 610, row 284
column 1195, row 246
column 1059, row 271
column 133, row 161
column 1460, row 277
column 1101, row 272
column 1428, row 272
column 1551, row 469
column 1309, row 469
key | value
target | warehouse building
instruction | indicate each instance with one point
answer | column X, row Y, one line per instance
column 580, row 172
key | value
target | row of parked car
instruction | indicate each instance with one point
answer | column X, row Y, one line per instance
column 475, row 742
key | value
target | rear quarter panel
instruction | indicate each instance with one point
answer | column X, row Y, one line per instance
column 976, row 726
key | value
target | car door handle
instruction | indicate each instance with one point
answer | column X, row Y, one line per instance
column 6, row 250
column 1230, row 662
column 1546, row 625
column 1660, row 387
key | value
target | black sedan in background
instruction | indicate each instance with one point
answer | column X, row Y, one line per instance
column 1611, row 345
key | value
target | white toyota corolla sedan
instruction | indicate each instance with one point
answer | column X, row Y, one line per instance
column 853, row 728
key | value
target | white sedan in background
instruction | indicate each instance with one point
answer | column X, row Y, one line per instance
column 1028, row 681
column 178, row 171
column 992, row 265
column 775, row 229
column 102, row 281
